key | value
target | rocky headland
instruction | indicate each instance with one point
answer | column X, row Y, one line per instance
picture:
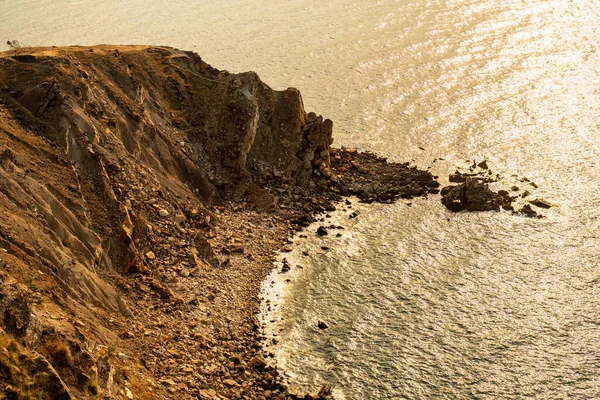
column 143, row 196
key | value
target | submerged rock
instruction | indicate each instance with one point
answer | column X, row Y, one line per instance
column 528, row 211
column 541, row 203
column 321, row 231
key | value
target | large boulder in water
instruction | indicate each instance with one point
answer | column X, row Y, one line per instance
column 474, row 195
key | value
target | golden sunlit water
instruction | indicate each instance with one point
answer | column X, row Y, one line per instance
column 421, row 303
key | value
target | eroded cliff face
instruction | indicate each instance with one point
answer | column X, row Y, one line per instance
column 138, row 118
column 98, row 143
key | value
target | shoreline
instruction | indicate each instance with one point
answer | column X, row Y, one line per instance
column 290, row 267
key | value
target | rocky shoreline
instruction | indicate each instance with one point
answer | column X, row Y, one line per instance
column 144, row 195
column 232, row 349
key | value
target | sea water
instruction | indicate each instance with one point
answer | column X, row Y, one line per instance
column 420, row 303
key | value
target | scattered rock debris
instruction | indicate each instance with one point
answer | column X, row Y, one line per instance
column 473, row 193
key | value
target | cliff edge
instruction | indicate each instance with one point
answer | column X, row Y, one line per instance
column 141, row 195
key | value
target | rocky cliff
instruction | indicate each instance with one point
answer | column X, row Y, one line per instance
column 125, row 172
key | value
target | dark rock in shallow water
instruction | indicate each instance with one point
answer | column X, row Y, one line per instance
column 286, row 266
column 527, row 210
column 542, row 203
column 474, row 195
column 321, row 231
column 458, row 177
column 451, row 198
column 484, row 174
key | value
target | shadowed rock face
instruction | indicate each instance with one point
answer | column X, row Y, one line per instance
column 168, row 108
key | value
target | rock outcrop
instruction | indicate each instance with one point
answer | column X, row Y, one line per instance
column 475, row 195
